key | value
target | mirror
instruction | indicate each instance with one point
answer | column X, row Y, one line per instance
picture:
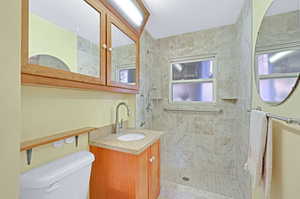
column 64, row 35
column 277, row 63
column 123, row 57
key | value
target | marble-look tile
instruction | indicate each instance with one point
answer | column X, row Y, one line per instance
column 209, row 149
column 88, row 58
column 176, row 191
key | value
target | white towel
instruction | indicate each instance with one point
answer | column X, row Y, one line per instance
column 267, row 169
column 257, row 145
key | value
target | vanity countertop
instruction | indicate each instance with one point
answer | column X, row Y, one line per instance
column 110, row 141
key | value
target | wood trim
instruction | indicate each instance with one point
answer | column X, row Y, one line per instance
column 124, row 21
column 28, row 79
column 102, row 35
column 112, row 20
column 154, row 171
column 41, row 75
column 44, row 71
column 142, row 175
column 26, row 145
column 147, row 15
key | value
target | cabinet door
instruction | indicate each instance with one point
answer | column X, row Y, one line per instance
column 122, row 55
column 118, row 175
column 62, row 40
column 154, row 171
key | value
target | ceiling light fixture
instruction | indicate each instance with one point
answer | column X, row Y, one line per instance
column 131, row 10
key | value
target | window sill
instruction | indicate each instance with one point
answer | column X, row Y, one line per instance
column 192, row 108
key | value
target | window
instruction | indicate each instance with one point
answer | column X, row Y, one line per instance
column 192, row 81
column 127, row 75
column 277, row 74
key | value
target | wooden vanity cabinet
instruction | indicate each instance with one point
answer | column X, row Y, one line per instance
column 125, row 176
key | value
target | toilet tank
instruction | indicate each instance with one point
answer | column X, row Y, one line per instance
column 65, row 178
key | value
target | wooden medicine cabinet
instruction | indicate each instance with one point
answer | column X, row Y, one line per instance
column 84, row 44
column 122, row 56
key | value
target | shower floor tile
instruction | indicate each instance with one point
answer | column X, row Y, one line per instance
column 176, row 191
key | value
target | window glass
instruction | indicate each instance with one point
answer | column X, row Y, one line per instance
column 192, row 92
column 277, row 74
column 276, row 90
column 192, row 81
column 193, row 70
column 279, row 62
column 127, row 76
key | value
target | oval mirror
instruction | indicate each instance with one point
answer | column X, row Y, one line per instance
column 277, row 59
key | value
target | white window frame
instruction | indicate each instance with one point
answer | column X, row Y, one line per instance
column 125, row 67
column 213, row 80
column 273, row 49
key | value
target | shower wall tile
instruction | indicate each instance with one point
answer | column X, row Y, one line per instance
column 88, row 57
column 201, row 151
column 196, row 144
column 243, row 50
column 149, row 81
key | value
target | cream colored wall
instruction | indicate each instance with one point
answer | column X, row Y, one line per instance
column 286, row 137
column 9, row 98
column 46, row 111
column 46, row 37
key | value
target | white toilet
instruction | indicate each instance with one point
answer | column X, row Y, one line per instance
column 65, row 178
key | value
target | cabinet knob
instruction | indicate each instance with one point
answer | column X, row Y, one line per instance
column 110, row 49
column 104, row 46
column 152, row 159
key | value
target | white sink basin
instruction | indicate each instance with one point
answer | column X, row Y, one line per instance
column 131, row 137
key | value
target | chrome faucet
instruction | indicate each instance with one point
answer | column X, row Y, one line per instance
column 119, row 125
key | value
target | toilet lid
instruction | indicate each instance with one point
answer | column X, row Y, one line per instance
column 54, row 171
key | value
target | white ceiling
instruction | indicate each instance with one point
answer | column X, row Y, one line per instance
column 173, row 17
column 168, row 17
column 75, row 16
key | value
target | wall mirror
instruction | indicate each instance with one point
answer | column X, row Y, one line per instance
column 63, row 40
column 122, row 56
column 277, row 60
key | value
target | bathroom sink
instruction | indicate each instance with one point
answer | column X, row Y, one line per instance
column 131, row 137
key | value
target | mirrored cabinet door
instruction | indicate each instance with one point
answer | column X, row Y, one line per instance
column 132, row 11
column 64, row 40
column 123, row 56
